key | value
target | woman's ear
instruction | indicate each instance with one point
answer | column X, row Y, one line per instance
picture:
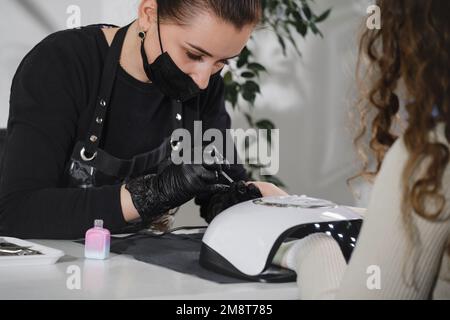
column 147, row 14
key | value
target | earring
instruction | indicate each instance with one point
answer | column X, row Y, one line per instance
column 142, row 35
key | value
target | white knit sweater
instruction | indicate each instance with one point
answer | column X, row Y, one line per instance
column 382, row 266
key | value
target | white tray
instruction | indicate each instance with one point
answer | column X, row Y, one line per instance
column 48, row 256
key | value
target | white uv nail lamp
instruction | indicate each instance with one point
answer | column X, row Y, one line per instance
column 242, row 240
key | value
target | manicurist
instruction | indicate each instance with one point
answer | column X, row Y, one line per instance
column 92, row 111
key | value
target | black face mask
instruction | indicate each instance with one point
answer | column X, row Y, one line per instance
column 166, row 75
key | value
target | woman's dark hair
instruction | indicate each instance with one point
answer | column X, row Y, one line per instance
column 237, row 12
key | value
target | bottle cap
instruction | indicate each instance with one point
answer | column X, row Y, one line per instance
column 98, row 223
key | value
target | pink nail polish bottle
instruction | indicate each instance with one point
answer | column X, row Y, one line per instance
column 97, row 242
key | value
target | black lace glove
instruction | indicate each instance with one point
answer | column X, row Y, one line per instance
column 155, row 194
column 237, row 192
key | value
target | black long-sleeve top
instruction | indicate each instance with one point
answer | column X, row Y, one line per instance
column 51, row 107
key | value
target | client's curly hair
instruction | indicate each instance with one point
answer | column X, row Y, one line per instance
column 411, row 50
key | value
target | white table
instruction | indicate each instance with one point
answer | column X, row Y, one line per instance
column 121, row 277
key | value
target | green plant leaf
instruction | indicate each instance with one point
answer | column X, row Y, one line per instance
column 323, row 16
column 231, row 93
column 300, row 27
column 248, row 140
column 307, row 11
column 243, row 57
column 256, row 67
column 249, row 96
column 314, row 29
column 228, row 78
column 282, row 43
column 247, row 74
column 285, row 18
column 249, row 119
column 252, row 85
column 291, row 39
column 265, row 124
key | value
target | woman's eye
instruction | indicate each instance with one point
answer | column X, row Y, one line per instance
column 193, row 56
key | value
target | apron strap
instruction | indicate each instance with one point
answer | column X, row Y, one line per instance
column 139, row 164
column 104, row 95
column 123, row 169
column 89, row 152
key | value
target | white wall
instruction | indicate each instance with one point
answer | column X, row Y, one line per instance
column 307, row 98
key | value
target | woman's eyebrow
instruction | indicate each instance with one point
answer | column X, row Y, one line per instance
column 206, row 52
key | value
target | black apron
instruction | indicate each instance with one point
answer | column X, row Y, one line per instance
column 90, row 166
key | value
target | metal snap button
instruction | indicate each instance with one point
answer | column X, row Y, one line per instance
column 175, row 145
column 86, row 158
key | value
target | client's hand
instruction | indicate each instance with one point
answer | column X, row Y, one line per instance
column 268, row 189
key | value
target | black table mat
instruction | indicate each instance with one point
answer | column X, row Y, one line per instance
column 178, row 252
